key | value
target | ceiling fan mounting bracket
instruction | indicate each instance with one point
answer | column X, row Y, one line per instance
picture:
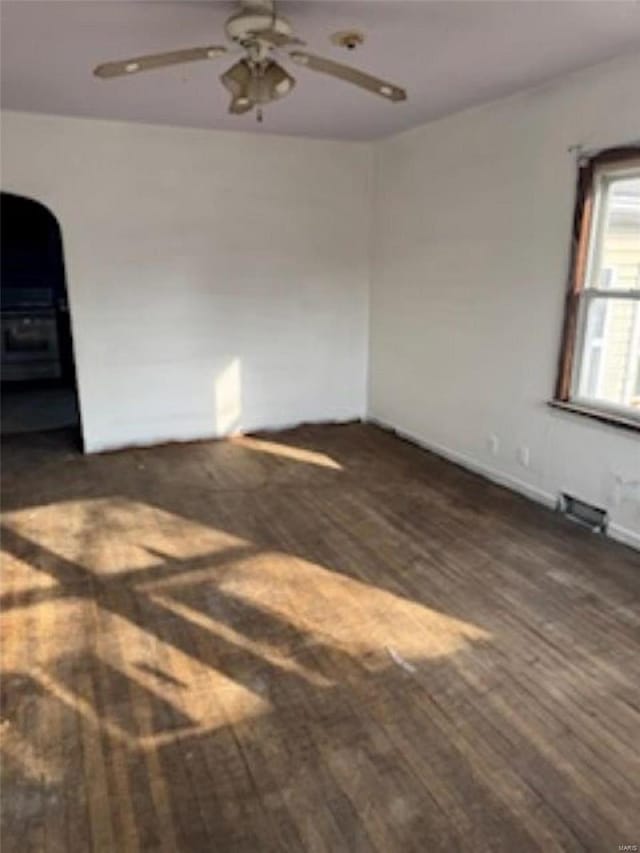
column 248, row 25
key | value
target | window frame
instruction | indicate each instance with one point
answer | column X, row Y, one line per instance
column 586, row 245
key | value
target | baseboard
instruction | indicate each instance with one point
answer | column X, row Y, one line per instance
column 200, row 437
column 614, row 531
column 624, row 535
column 499, row 477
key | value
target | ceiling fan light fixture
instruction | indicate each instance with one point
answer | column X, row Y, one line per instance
column 274, row 83
column 241, row 105
column 257, row 84
column 285, row 85
column 237, row 78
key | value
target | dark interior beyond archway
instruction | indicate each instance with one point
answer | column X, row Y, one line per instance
column 38, row 371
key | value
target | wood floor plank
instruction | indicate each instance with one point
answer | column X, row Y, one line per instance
column 323, row 639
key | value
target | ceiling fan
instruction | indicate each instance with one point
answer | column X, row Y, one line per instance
column 256, row 79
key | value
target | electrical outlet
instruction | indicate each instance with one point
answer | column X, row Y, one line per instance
column 623, row 489
column 493, row 443
column 524, row 456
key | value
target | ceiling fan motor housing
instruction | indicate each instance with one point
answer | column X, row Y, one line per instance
column 249, row 24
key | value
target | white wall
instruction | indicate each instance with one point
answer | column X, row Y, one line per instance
column 217, row 281
column 471, row 241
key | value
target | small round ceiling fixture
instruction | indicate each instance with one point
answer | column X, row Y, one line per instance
column 351, row 39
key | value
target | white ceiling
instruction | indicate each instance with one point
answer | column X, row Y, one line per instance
column 449, row 55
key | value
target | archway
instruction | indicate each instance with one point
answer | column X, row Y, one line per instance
column 38, row 370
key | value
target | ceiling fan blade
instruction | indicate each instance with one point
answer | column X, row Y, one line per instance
column 157, row 60
column 350, row 75
column 278, row 39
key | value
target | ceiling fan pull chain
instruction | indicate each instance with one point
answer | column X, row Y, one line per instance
column 259, row 115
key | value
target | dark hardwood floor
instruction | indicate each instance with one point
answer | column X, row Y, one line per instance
column 318, row 640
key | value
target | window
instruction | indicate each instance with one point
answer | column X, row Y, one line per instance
column 600, row 358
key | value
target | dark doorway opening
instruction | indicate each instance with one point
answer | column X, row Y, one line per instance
column 38, row 371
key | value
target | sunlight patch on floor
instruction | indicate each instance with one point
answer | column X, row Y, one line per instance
column 193, row 628
column 264, row 651
column 286, row 451
column 347, row 613
column 20, row 576
column 284, row 603
column 109, row 536
column 19, row 751
column 156, row 671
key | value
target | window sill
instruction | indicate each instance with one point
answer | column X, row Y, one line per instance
column 610, row 418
